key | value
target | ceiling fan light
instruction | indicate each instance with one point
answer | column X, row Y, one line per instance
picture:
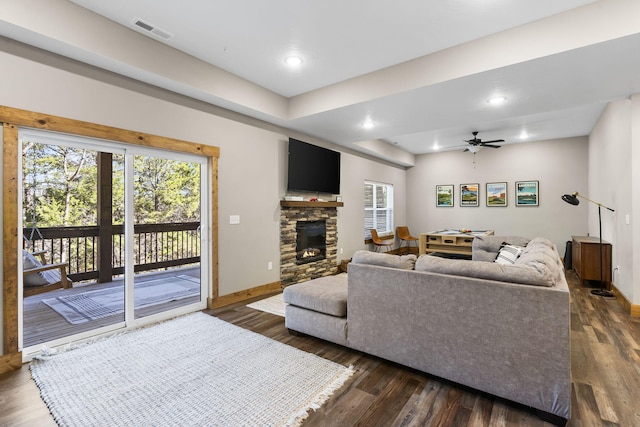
column 474, row 148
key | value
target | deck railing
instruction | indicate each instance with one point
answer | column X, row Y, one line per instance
column 156, row 246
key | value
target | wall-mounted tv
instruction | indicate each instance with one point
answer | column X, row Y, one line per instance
column 312, row 168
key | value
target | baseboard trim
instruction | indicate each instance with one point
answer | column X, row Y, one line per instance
column 10, row 362
column 632, row 309
column 240, row 296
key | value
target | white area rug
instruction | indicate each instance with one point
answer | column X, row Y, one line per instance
column 93, row 305
column 274, row 305
column 195, row 370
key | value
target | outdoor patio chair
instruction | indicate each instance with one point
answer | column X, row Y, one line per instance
column 39, row 277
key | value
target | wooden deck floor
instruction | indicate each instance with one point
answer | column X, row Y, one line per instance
column 605, row 345
column 42, row 323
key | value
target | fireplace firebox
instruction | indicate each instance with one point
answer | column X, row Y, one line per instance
column 311, row 243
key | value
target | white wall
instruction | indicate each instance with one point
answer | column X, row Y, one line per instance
column 560, row 166
column 355, row 171
column 634, row 280
column 252, row 165
column 614, row 156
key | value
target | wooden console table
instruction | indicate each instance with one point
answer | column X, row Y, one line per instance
column 449, row 241
column 585, row 258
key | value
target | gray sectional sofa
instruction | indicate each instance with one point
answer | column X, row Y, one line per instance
column 501, row 329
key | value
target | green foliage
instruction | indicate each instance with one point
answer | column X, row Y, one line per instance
column 166, row 191
column 60, row 188
column 59, row 185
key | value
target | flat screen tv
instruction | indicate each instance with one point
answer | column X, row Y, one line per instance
column 312, row 168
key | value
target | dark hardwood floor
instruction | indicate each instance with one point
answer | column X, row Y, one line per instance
column 605, row 345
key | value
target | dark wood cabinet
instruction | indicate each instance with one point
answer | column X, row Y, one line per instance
column 585, row 253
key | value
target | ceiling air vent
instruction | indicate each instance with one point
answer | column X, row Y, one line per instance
column 159, row 32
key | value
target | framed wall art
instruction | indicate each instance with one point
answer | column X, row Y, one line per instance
column 444, row 195
column 496, row 194
column 527, row 193
column 469, row 194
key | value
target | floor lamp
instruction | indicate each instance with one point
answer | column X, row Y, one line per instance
column 572, row 199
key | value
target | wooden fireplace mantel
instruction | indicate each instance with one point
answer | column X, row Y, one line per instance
column 292, row 204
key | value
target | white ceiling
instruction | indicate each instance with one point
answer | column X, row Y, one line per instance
column 422, row 70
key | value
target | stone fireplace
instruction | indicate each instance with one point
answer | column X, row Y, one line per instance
column 310, row 226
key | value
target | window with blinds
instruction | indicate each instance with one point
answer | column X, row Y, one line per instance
column 378, row 208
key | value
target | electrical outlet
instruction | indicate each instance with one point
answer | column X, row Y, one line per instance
column 269, row 265
column 341, row 251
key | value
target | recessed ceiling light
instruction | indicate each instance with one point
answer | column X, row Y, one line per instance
column 496, row 100
column 524, row 135
column 368, row 124
column 293, row 61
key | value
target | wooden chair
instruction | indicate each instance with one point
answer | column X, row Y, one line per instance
column 405, row 236
column 35, row 282
column 378, row 241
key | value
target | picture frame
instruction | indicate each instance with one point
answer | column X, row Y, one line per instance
column 527, row 193
column 470, row 194
column 496, row 194
column 444, row 196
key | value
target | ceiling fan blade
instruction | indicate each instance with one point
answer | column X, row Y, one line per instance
column 493, row 140
column 490, row 146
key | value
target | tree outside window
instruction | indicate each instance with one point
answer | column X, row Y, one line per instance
column 378, row 208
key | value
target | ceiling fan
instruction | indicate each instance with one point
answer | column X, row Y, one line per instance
column 476, row 143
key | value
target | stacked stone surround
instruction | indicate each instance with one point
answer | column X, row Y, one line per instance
column 290, row 271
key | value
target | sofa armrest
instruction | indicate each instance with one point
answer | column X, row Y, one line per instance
column 64, row 280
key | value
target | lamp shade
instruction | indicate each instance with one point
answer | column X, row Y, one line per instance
column 571, row 199
column 474, row 149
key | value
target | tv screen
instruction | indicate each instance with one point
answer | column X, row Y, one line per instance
column 312, row 168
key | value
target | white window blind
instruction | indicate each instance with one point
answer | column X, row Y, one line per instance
column 378, row 208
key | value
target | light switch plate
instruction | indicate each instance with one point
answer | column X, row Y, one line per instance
column 234, row 219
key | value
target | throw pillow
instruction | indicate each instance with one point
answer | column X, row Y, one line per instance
column 29, row 262
column 508, row 254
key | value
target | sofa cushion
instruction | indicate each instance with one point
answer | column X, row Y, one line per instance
column 325, row 295
column 542, row 256
column 521, row 274
column 405, row 262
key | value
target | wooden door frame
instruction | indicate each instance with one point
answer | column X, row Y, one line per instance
column 12, row 119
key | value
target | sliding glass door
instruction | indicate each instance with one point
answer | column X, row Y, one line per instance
column 166, row 233
column 128, row 226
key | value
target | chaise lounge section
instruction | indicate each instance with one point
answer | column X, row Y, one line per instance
column 502, row 329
